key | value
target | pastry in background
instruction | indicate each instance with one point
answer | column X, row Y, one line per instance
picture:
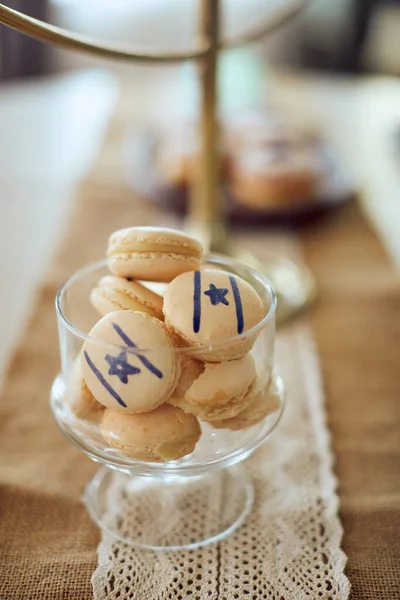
column 267, row 160
column 177, row 155
column 277, row 175
column 253, row 129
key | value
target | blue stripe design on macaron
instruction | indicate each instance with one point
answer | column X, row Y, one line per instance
column 238, row 304
column 197, row 302
column 145, row 361
column 102, row 380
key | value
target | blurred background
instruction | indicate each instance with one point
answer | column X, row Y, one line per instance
column 346, row 35
column 338, row 63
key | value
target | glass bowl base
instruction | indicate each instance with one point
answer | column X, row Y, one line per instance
column 170, row 513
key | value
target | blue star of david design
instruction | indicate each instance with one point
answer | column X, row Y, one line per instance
column 119, row 366
column 217, row 295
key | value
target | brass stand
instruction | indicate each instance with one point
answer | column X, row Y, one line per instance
column 293, row 283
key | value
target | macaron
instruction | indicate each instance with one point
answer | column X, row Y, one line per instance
column 276, row 176
column 263, row 403
column 117, row 293
column 152, row 253
column 190, row 371
column 119, row 371
column 80, row 399
column 215, row 391
column 215, row 412
column 210, row 308
column 163, row 434
column 177, row 153
column 220, row 382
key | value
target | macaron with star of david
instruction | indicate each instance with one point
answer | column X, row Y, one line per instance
column 213, row 310
column 128, row 362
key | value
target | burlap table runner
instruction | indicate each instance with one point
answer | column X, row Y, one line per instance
column 48, row 543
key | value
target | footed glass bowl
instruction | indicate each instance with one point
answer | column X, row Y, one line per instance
column 185, row 503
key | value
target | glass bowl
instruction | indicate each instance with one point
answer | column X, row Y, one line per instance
column 133, row 499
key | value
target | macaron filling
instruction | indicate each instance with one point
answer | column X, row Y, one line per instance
column 151, row 247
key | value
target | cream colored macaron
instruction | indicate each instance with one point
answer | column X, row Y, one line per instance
column 80, row 399
column 209, row 307
column 152, row 253
column 215, row 391
column 281, row 176
column 163, row 434
column 220, row 382
column 263, row 403
column 215, row 412
column 118, row 370
column 117, row 293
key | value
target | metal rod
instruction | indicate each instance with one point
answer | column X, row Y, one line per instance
column 205, row 209
column 73, row 41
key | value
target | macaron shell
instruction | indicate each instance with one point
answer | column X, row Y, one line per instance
column 117, row 293
column 152, row 266
column 190, row 371
column 166, row 433
column 80, row 399
column 153, row 239
column 128, row 380
column 264, row 403
column 215, row 412
column 210, row 307
column 152, row 253
column 222, row 381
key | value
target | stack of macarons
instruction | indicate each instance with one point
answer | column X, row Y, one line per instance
column 153, row 366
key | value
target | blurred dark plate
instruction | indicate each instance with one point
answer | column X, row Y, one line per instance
column 334, row 191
